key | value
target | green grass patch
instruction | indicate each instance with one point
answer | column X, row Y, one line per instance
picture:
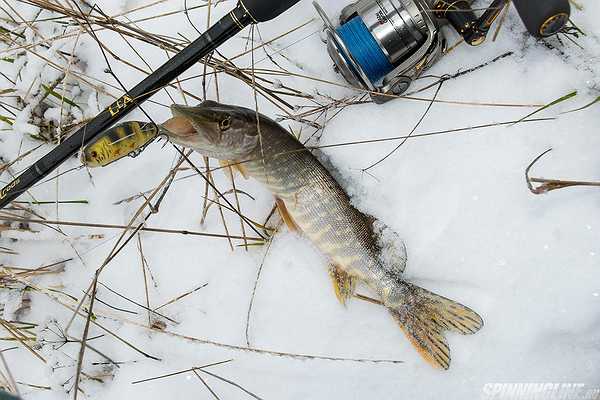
column 552, row 104
column 9, row 121
column 51, row 92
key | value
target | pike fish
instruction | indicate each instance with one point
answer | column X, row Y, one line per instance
column 313, row 203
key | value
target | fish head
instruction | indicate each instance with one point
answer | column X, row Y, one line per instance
column 214, row 130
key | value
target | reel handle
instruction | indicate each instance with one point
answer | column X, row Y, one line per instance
column 461, row 16
column 266, row 10
column 545, row 17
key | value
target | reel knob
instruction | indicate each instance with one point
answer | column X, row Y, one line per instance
column 544, row 18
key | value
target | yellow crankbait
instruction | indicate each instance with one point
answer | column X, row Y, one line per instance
column 126, row 139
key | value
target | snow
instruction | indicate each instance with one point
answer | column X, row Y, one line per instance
column 473, row 231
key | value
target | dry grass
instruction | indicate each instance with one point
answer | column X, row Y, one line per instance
column 309, row 111
column 544, row 185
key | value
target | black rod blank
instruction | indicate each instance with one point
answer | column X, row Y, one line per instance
column 245, row 13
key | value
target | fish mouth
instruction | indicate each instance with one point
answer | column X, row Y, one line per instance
column 179, row 110
column 199, row 113
column 187, row 121
column 179, row 127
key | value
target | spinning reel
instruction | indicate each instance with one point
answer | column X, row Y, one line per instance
column 383, row 45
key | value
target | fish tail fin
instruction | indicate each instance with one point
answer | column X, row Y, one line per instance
column 424, row 316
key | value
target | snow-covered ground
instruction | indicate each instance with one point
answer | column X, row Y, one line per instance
column 530, row 265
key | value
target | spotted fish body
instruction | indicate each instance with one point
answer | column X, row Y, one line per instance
column 313, row 202
column 318, row 205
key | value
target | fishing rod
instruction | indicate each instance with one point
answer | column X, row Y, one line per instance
column 246, row 12
column 380, row 46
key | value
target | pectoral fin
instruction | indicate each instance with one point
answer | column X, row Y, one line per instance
column 285, row 215
column 236, row 166
column 344, row 284
column 242, row 170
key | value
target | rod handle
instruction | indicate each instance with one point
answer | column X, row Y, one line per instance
column 266, row 10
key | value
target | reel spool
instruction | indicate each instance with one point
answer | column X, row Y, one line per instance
column 383, row 45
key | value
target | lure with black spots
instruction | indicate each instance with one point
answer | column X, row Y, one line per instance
column 126, row 139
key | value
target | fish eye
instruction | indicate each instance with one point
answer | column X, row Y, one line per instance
column 225, row 124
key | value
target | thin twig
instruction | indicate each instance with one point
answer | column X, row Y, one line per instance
column 185, row 371
column 548, row 185
column 127, row 228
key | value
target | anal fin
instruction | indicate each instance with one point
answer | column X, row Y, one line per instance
column 344, row 284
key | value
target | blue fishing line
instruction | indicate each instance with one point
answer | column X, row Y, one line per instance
column 365, row 50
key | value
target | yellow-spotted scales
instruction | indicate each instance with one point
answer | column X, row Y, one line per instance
column 313, row 203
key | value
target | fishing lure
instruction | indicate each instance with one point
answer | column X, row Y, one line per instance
column 126, row 139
